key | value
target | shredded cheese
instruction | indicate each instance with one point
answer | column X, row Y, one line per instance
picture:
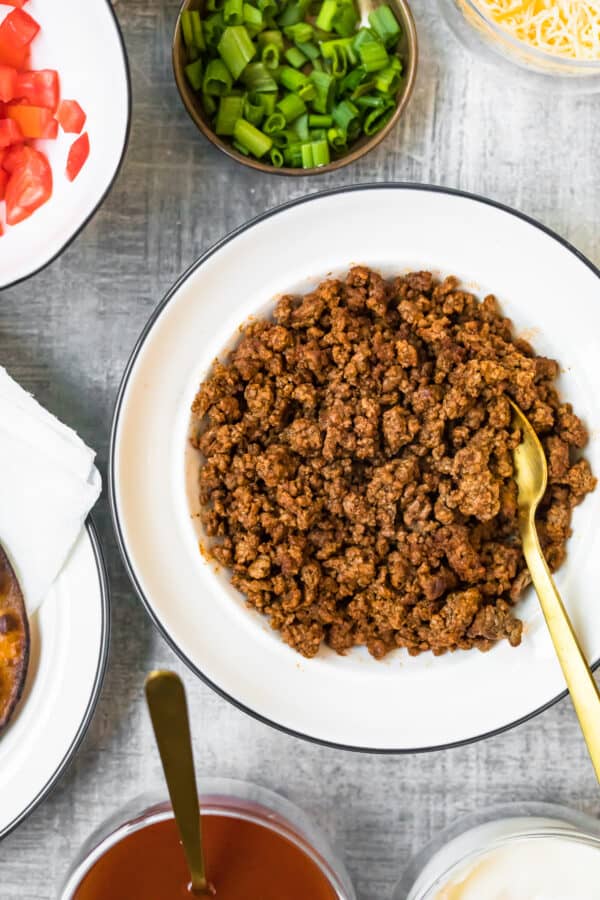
column 567, row 28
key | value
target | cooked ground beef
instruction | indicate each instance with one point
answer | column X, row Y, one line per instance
column 357, row 473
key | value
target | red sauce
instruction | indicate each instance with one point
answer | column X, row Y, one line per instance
column 245, row 861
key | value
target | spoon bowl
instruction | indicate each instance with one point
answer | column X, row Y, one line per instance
column 530, row 463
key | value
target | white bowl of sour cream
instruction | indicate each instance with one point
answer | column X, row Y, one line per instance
column 526, row 852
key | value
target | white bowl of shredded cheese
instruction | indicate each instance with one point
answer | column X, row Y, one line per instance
column 549, row 37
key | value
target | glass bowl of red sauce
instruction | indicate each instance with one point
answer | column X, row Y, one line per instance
column 256, row 844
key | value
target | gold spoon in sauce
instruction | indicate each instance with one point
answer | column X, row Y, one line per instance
column 531, row 475
column 165, row 696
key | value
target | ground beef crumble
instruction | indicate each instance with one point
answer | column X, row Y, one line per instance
column 357, row 474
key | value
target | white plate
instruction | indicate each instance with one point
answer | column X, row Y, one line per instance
column 402, row 703
column 82, row 41
column 69, row 649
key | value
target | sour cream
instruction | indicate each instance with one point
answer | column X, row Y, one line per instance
column 544, row 867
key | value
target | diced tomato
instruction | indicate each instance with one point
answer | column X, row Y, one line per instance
column 10, row 133
column 11, row 55
column 34, row 121
column 13, row 157
column 8, row 83
column 29, row 186
column 71, row 116
column 51, row 130
column 40, row 88
column 3, row 180
column 18, row 3
column 78, row 154
column 19, row 28
column 17, row 31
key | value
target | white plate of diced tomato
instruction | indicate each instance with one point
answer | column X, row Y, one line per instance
column 64, row 121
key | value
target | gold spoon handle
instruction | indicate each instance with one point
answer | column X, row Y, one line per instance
column 580, row 681
column 168, row 710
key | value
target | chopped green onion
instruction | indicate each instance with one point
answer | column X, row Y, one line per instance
column 300, row 33
column 230, row 110
column 257, row 77
column 336, row 53
column 270, row 56
column 308, row 92
column 315, row 154
column 236, row 49
column 345, row 20
column 187, row 29
column 388, row 79
column 295, row 57
column 213, row 27
column 326, row 15
column 345, row 45
column 317, row 134
column 347, row 117
column 217, row 78
column 301, row 127
column 253, row 112
column 198, row 30
column 214, row 5
column 276, row 157
column 321, row 155
column 241, row 148
column 337, row 140
column 364, row 36
column 285, row 137
column 320, row 121
column 291, row 106
column 191, row 25
column 293, row 155
column 266, row 100
column 325, row 85
column 373, row 56
column 307, row 156
column 250, row 137
column 253, row 18
column 352, row 80
column 291, row 78
column 309, row 49
column 371, row 101
column 268, row 7
column 294, row 12
column 272, row 36
column 384, row 23
column 378, row 118
column 275, row 122
column 233, row 12
column 193, row 73
column 365, row 88
column 209, row 104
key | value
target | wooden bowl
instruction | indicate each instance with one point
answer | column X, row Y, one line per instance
column 407, row 50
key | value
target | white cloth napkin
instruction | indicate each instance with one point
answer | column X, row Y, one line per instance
column 48, row 484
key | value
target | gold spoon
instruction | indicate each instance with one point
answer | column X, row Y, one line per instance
column 531, row 477
column 165, row 696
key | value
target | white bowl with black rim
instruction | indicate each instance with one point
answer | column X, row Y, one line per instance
column 400, row 704
column 83, row 42
column 69, row 650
